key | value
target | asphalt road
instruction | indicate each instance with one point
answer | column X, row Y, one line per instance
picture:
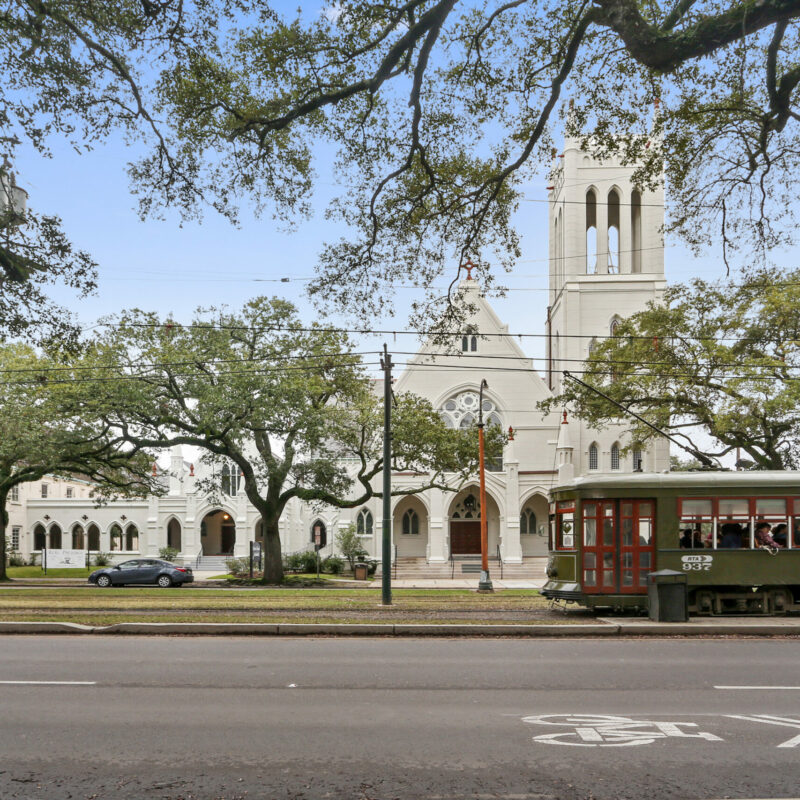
column 384, row 719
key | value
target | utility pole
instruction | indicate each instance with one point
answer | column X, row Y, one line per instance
column 386, row 561
column 485, row 583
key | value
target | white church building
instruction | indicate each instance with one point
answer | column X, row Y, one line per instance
column 606, row 261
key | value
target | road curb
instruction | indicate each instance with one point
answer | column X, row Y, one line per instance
column 45, row 627
column 603, row 629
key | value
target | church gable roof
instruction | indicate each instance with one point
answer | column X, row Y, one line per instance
column 438, row 370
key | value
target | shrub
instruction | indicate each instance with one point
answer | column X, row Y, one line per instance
column 349, row 545
column 240, row 567
column 168, row 553
column 372, row 566
column 308, row 561
column 15, row 559
column 333, row 565
column 292, row 562
column 102, row 559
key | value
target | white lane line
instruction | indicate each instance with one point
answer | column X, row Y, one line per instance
column 51, row 683
column 763, row 688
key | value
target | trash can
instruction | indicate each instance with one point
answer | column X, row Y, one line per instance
column 668, row 596
column 360, row 571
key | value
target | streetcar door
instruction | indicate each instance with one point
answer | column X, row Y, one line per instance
column 618, row 545
column 599, row 562
column 636, row 544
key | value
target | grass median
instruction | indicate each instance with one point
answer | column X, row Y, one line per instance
column 360, row 606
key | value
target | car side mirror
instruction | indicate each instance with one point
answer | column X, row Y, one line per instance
column 116, row 567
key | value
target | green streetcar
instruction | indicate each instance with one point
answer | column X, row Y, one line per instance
column 608, row 533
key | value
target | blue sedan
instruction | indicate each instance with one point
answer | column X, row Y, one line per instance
column 142, row 571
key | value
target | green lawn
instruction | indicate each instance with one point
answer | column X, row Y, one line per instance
column 279, row 605
column 38, row 572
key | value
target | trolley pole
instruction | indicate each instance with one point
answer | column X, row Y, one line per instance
column 386, row 560
column 485, row 583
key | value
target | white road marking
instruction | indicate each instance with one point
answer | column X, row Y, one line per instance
column 768, row 719
column 603, row 730
column 790, row 688
column 51, row 683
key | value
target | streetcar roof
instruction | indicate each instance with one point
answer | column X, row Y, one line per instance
column 760, row 479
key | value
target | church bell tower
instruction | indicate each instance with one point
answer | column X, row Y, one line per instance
column 606, row 262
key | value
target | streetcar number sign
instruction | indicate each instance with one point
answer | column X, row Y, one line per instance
column 697, row 563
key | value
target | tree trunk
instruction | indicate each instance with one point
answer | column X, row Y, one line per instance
column 273, row 559
column 3, row 528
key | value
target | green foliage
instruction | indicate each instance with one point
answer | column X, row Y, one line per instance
column 51, row 424
column 102, row 559
column 168, row 553
column 293, row 562
column 307, row 561
column 291, row 406
column 11, row 557
column 333, row 565
column 717, row 358
column 349, row 544
column 441, row 112
column 239, row 567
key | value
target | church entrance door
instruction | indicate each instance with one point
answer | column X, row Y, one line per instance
column 465, row 537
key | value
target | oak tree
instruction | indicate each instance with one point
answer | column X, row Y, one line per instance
column 292, row 407
column 48, row 426
column 723, row 360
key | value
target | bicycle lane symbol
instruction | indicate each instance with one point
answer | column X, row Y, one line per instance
column 602, row 730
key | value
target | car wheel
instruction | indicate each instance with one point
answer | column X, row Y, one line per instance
column 103, row 581
column 164, row 581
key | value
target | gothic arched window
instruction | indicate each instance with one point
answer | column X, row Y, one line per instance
column 464, row 344
column 39, row 538
column 464, row 406
column 93, row 535
column 318, row 527
column 593, row 459
column 229, row 483
column 527, row 521
column 77, row 537
column 615, row 456
column 613, row 232
column 115, row 536
column 473, row 343
column 591, row 232
column 637, row 459
column 364, row 523
column 636, row 231
column 131, row 537
column 55, row 537
column 410, row 523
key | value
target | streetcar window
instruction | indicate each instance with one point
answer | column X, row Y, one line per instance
column 627, row 530
column 589, row 532
column 645, row 529
column 694, row 534
column 589, row 569
column 696, row 508
column 566, row 531
column 733, row 507
column 770, row 506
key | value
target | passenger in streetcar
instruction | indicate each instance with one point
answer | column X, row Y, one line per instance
column 780, row 534
column 697, row 539
column 731, row 535
column 763, row 536
column 685, row 542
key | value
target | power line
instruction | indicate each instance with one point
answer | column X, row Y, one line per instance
column 194, row 362
column 432, row 332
